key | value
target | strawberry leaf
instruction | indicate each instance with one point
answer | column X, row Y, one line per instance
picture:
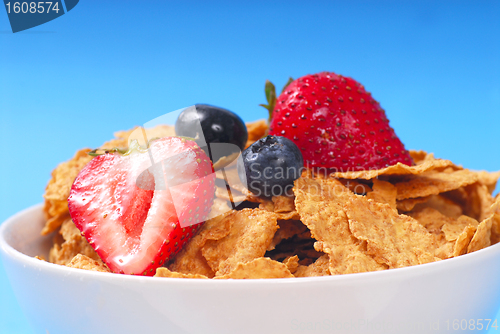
column 270, row 91
column 290, row 80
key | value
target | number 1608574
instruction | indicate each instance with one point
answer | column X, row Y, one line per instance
column 32, row 7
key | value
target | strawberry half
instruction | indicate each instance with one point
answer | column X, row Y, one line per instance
column 138, row 209
column 336, row 123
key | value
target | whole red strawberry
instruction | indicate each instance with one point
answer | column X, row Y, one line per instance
column 336, row 124
column 137, row 209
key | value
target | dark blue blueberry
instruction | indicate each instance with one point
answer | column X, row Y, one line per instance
column 220, row 127
column 270, row 165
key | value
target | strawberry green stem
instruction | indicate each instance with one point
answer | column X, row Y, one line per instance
column 270, row 91
column 134, row 147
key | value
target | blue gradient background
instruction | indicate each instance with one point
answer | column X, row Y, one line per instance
column 433, row 65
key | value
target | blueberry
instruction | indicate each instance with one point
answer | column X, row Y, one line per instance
column 220, row 127
column 270, row 165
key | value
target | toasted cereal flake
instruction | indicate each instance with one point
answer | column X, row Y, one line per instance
column 287, row 229
column 482, row 237
column 73, row 244
column 190, row 260
column 84, row 262
column 281, row 256
column 452, row 234
column 444, row 248
column 433, row 183
column 63, row 176
column 230, row 176
column 421, row 166
column 219, row 207
column 463, row 240
column 383, row 192
column 251, row 233
column 306, row 262
column 252, row 198
column 350, row 259
column 308, row 253
column 256, row 130
column 420, row 156
column 233, row 196
column 429, row 157
column 292, row 263
column 164, row 272
column 356, row 186
column 294, row 215
column 442, row 204
column 479, row 202
column 408, row 204
column 496, row 205
column 312, row 197
column 69, row 230
column 262, row 267
column 495, row 227
column 319, row 268
column 475, row 200
column 431, row 219
column 224, row 161
column 267, row 205
column 282, row 206
column 453, row 230
column 489, row 179
column 55, row 221
column 319, row 204
column 58, row 188
column 395, row 240
column 283, row 203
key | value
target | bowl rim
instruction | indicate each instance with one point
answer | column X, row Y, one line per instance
column 26, row 260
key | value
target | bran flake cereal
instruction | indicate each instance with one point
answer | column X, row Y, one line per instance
column 383, row 192
column 84, row 262
column 433, row 183
column 69, row 244
column 463, row 240
column 482, row 237
column 319, row 268
column 334, row 222
column 319, row 203
column 164, row 272
column 422, row 165
column 440, row 203
column 58, row 188
column 292, row 263
column 251, row 233
column 262, row 267
column 394, row 240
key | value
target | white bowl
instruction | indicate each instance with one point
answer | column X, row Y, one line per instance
column 435, row 297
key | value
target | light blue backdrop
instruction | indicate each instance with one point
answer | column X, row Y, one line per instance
column 105, row 66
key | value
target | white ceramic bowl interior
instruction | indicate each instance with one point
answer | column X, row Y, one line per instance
column 429, row 298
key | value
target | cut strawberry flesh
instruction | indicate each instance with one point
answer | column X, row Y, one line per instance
column 124, row 206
